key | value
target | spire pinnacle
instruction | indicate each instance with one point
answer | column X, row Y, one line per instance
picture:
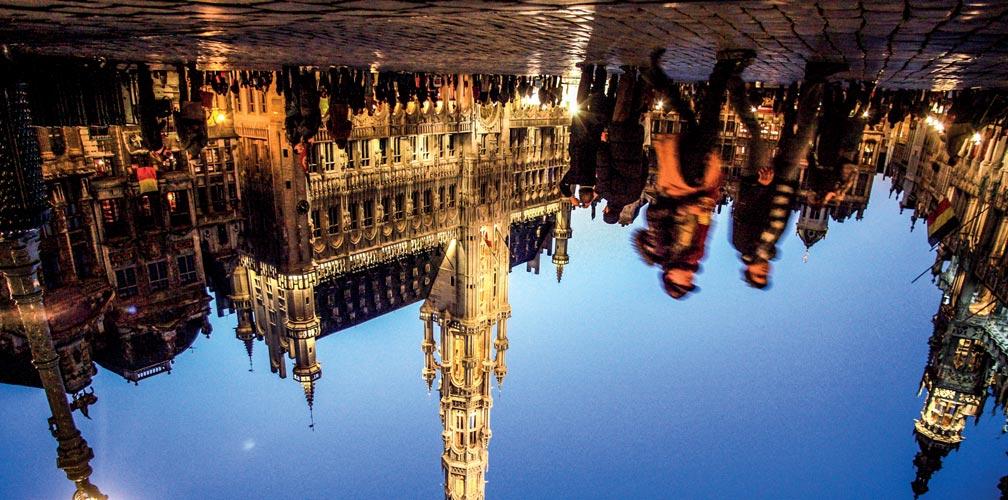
column 248, row 348
column 309, row 392
column 88, row 491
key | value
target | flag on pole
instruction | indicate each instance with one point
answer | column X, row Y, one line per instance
column 147, row 177
column 941, row 222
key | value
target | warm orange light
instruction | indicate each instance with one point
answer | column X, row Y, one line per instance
column 219, row 117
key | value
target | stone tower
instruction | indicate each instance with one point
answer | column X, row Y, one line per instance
column 468, row 299
column 956, row 377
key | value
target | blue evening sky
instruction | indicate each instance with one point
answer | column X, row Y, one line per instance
column 808, row 390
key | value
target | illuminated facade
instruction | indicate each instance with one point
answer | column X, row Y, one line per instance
column 975, row 187
column 124, row 269
column 966, row 366
column 371, row 227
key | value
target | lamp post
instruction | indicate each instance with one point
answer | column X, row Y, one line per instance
column 23, row 209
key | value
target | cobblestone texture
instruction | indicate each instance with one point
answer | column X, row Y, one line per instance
column 910, row 43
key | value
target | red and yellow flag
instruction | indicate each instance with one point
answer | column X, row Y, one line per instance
column 147, row 177
column 941, row 222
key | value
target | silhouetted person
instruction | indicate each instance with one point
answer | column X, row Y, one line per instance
column 585, row 133
column 340, row 93
column 151, row 127
column 689, row 178
column 832, row 164
column 303, row 114
column 971, row 110
column 190, row 120
column 622, row 169
column 767, row 192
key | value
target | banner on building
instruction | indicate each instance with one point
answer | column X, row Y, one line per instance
column 941, row 222
column 147, row 177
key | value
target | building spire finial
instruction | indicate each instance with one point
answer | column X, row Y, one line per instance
column 309, row 392
column 248, row 348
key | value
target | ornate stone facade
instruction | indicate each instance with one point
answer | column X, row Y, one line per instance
column 430, row 203
column 966, row 366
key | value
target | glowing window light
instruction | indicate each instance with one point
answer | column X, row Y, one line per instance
column 532, row 101
column 219, row 116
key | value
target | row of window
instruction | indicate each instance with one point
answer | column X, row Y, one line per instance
column 216, row 157
column 536, row 138
column 367, row 152
column 149, row 212
column 536, row 177
column 250, row 100
column 363, row 214
column 157, row 275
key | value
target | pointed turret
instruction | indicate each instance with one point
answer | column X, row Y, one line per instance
column 928, row 461
column 301, row 329
column 562, row 233
column 309, row 394
column 242, row 300
column 428, row 346
column 306, row 368
column 812, row 226
column 248, row 349
column 501, row 345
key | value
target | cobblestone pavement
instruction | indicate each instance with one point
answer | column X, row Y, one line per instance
column 910, row 43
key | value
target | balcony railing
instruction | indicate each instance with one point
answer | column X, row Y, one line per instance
column 396, row 130
column 136, row 376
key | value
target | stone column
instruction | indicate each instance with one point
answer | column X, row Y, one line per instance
column 19, row 264
column 227, row 170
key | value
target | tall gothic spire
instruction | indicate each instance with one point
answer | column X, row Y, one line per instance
column 927, row 461
column 309, row 394
column 249, row 344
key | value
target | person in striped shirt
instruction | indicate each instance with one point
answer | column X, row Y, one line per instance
column 767, row 192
